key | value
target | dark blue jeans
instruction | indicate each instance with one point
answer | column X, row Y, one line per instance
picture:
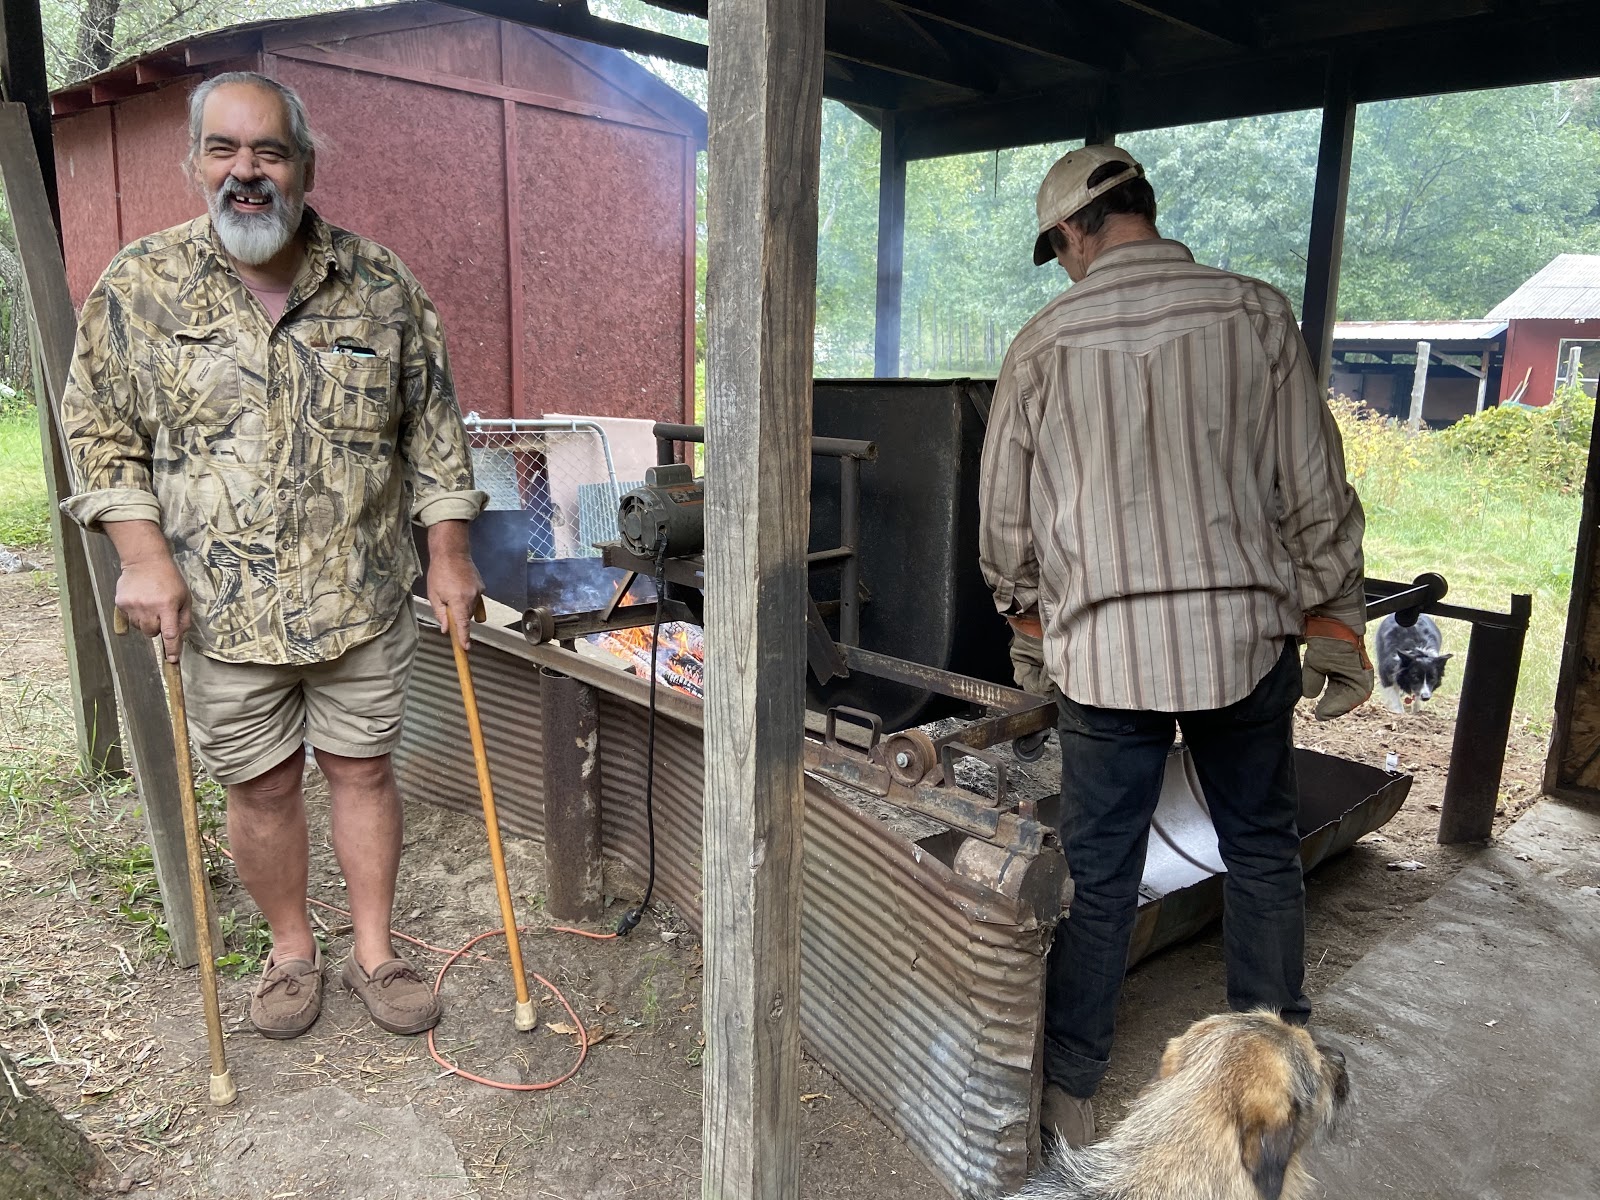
column 1112, row 766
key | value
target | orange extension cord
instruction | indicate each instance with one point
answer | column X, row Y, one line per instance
column 581, row 1036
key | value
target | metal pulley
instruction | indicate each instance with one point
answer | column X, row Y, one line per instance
column 671, row 504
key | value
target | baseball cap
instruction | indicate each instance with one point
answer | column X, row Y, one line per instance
column 1066, row 189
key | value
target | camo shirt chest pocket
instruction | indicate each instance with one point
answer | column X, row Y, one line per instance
column 350, row 393
column 195, row 378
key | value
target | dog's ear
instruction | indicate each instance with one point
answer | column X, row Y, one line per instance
column 1267, row 1146
column 1444, row 658
column 1171, row 1059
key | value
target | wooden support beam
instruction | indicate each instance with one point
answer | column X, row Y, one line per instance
column 1419, row 386
column 765, row 151
column 1320, row 308
column 23, row 81
column 891, row 250
column 1483, row 383
column 135, row 668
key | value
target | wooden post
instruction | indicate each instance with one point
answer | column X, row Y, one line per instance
column 1419, row 385
column 23, row 81
column 1483, row 382
column 764, row 154
column 891, row 250
column 1319, row 310
column 135, row 666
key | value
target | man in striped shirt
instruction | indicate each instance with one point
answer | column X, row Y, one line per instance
column 1165, row 510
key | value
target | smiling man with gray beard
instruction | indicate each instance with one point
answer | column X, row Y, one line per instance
column 260, row 407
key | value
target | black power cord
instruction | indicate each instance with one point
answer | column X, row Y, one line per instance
column 633, row 916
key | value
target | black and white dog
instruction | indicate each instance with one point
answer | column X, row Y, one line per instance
column 1410, row 661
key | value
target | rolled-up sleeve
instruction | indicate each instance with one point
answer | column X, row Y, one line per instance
column 1005, row 532
column 433, row 442
column 1322, row 523
column 108, row 442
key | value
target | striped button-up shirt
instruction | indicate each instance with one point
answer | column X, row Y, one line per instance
column 1163, row 480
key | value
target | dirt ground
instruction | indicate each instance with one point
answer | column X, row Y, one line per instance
column 111, row 1032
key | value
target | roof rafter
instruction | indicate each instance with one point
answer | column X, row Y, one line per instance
column 1220, row 23
column 1057, row 38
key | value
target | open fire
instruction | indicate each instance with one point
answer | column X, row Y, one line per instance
column 680, row 661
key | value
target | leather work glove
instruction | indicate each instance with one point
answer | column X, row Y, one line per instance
column 1027, row 655
column 1335, row 660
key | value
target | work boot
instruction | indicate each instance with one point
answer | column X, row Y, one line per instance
column 1068, row 1117
column 289, row 998
column 395, row 995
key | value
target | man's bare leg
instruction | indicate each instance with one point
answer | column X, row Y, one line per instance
column 367, row 832
column 267, row 833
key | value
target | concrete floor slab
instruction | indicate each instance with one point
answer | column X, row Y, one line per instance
column 1474, row 1037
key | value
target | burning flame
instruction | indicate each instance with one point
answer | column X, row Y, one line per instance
column 680, row 660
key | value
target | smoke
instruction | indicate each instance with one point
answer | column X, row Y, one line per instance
column 567, row 585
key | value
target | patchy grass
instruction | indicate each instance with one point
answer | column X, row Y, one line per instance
column 24, row 510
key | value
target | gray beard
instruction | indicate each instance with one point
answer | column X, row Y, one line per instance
column 254, row 238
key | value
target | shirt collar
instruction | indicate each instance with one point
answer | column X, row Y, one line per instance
column 1147, row 250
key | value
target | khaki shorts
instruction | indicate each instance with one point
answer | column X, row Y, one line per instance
column 246, row 718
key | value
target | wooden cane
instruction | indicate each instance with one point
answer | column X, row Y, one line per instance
column 222, row 1089
column 525, row 1018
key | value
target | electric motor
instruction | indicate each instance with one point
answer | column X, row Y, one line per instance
column 671, row 504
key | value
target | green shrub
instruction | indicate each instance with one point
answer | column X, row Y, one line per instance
column 1546, row 447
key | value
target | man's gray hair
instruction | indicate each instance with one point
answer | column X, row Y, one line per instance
column 304, row 141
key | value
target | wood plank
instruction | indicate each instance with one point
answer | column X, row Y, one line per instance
column 891, row 250
column 1320, row 308
column 89, row 675
column 135, row 666
column 765, row 148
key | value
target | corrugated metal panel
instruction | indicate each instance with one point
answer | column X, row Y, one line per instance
column 1417, row 331
column 921, row 1001
column 1568, row 288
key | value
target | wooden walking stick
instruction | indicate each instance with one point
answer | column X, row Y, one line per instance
column 525, row 1018
column 222, row 1089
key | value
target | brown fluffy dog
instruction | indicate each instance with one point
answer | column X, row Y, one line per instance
column 1237, row 1099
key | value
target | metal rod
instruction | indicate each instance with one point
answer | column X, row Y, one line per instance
column 570, row 715
column 1483, row 724
column 821, row 558
column 1422, row 593
column 828, row 447
column 850, row 540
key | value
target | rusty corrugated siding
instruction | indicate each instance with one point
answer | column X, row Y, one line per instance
column 916, row 991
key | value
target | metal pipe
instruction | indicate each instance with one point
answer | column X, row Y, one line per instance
column 570, row 715
column 850, row 541
column 1483, row 724
column 1405, row 600
column 828, row 447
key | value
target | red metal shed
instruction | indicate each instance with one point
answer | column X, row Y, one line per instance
column 1551, row 316
column 541, row 188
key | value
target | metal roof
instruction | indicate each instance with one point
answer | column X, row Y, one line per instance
column 1411, row 332
column 1568, row 288
column 964, row 75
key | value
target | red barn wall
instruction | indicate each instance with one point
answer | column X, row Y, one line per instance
column 547, row 210
column 86, row 174
column 421, row 170
column 1537, row 345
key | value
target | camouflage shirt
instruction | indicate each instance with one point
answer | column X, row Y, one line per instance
column 281, row 460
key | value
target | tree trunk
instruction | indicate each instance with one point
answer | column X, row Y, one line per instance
column 97, row 35
column 41, row 1155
